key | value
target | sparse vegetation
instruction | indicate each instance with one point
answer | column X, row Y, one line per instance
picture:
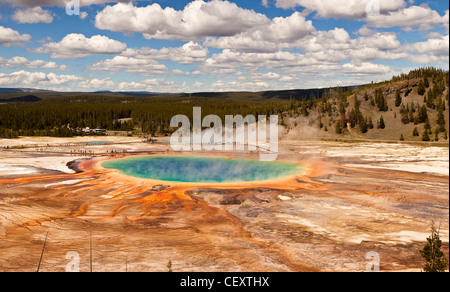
column 434, row 257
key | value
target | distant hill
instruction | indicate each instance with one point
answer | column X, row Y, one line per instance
column 10, row 90
column 22, row 90
column 130, row 93
column 297, row 94
column 27, row 98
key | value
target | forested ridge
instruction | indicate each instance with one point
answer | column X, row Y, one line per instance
column 411, row 106
column 63, row 116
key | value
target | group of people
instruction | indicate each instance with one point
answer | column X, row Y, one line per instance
column 65, row 146
column 93, row 152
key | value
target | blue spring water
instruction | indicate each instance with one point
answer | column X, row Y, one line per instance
column 202, row 169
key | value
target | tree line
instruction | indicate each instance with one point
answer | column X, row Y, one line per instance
column 64, row 117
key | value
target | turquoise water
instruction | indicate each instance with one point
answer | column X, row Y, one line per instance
column 202, row 169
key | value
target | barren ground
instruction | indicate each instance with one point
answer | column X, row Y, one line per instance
column 354, row 199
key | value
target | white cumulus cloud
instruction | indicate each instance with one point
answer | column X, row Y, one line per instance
column 10, row 37
column 35, row 79
column 23, row 63
column 366, row 68
column 52, row 3
column 356, row 9
column 421, row 17
column 198, row 20
column 279, row 33
column 145, row 67
column 434, row 50
column 77, row 46
column 188, row 53
column 32, row 15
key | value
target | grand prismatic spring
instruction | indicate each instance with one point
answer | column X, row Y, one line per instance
column 202, row 169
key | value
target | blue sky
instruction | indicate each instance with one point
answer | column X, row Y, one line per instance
column 215, row 45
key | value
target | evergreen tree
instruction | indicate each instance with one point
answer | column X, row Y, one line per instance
column 404, row 112
column 370, row 124
column 381, row 124
column 441, row 120
column 430, row 99
column 422, row 114
column 363, row 125
column 304, row 109
column 353, row 119
column 427, row 125
column 421, row 90
column 402, row 138
column 398, row 98
column 404, row 109
column 435, row 259
column 381, row 101
column 411, row 116
column 425, row 136
column 366, row 96
column 416, row 119
column 441, row 104
column 356, row 102
column 338, row 127
column 416, row 132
